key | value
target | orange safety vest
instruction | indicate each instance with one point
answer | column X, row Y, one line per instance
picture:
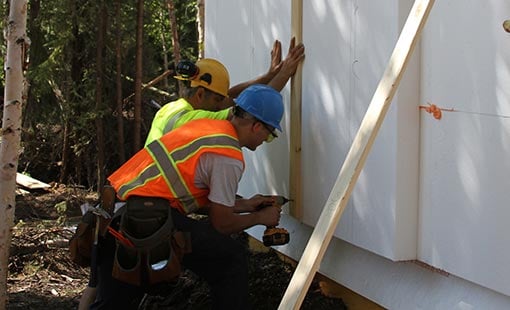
column 166, row 167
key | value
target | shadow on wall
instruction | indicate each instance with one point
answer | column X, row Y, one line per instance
column 342, row 72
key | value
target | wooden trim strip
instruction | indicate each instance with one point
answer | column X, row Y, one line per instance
column 295, row 184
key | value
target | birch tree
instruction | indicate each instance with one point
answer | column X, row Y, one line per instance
column 17, row 43
column 200, row 27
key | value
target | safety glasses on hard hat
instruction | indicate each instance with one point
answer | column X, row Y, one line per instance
column 272, row 134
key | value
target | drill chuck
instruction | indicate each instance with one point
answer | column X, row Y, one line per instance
column 281, row 200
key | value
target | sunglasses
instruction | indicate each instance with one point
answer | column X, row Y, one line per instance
column 272, row 134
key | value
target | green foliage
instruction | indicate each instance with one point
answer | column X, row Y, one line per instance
column 62, row 79
column 61, row 209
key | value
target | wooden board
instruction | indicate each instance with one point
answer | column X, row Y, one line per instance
column 295, row 118
column 340, row 194
column 30, row 183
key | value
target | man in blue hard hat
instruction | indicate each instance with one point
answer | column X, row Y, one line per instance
column 209, row 94
column 207, row 163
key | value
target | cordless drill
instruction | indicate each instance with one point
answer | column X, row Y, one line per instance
column 274, row 235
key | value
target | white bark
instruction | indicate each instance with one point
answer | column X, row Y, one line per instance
column 10, row 135
column 200, row 26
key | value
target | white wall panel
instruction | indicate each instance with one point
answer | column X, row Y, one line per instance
column 464, row 207
column 342, row 71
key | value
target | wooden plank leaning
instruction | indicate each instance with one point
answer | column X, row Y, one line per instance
column 339, row 196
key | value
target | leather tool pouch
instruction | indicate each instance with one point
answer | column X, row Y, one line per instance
column 157, row 249
column 80, row 244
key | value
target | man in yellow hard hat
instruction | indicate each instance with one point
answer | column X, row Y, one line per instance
column 209, row 91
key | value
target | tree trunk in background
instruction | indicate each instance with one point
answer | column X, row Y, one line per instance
column 138, row 78
column 66, row 124
column 17, row 44
column 66, row 151
column 165, row 57
column 32, row 28
column 65, row 96
column 175, row 40
column 102, row 16
column 200, row 26
column 118, row 84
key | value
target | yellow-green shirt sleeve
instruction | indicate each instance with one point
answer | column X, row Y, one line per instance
column 198, row 114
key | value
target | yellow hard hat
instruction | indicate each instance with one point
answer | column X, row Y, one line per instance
column 212, row 75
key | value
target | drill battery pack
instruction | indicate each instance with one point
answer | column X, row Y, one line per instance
column 275, row 236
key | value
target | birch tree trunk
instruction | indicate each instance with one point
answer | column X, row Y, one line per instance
column 200, row 26
column 17, row 43
column 138, row 78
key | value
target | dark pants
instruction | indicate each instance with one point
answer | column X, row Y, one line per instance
column 217, row 258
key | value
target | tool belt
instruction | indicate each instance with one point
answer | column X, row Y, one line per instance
column 154, row 248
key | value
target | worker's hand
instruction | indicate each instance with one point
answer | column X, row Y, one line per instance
column 295, row 55
column 252, row 204
column 269, row 216
column 276, row 60
column 258, row 202
column 226, row 221
column 289, row 65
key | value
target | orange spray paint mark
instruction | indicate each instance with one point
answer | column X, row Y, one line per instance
column 434, row 110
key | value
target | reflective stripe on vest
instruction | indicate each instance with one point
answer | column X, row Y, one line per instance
column 171, row 122
column 165, row 165
column 148, row 173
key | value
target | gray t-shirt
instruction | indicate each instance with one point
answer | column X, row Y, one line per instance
column 221, row 174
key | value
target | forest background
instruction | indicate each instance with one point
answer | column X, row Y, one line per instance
column 96, row 72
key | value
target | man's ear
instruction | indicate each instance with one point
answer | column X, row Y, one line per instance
column 200, row 93
column 257, row 126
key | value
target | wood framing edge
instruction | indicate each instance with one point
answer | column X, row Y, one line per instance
column 295, row 183
column 354, row 162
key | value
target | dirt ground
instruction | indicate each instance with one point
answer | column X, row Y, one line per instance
column 41, row 275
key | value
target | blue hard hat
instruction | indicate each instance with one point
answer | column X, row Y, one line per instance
column 263, row 102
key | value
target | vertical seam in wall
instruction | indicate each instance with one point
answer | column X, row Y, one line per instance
column 252, row 38
column 418, row 183
column 352, row 88
column 354, row 61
